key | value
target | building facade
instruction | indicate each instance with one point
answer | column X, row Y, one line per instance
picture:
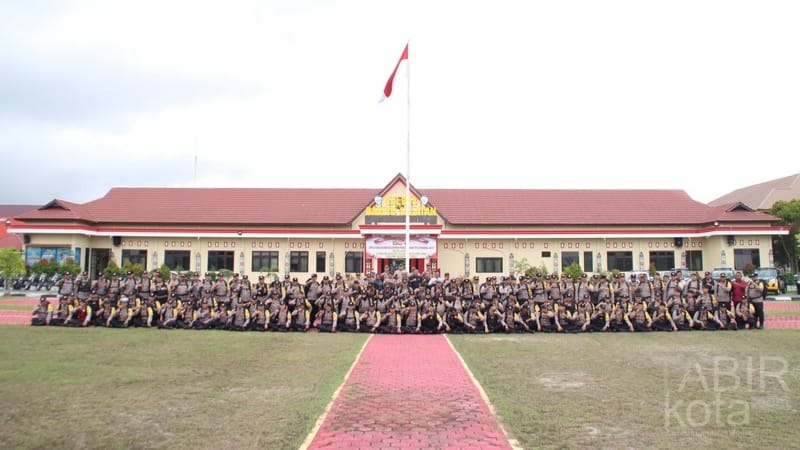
column 471, row 232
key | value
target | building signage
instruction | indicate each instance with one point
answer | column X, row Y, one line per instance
column 395, row 206
column 395, row 247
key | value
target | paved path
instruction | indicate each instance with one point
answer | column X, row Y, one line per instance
column 409, row 392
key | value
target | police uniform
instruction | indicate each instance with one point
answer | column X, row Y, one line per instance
column 43, row 312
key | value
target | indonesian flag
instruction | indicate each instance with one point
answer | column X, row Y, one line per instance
column 387, row 91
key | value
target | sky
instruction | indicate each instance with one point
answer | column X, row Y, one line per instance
column 701, row 96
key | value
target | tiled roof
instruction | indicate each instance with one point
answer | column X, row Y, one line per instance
column 243, row 206
column 11, row 241
column 59, row 210
column 8, row 211
column 220, row 206
column 567, row 207
column 763, row 195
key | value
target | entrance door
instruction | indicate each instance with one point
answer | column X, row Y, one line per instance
column 98, row 260
column 397, row 263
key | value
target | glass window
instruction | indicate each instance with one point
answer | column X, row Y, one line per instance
column 264, row 261
column 622, row 261
column 354, row 262
column 569, row 258
column 489, row 265
column 744, row 256
column 135, row 257
column 321, row 262
column 220, row 260
column 588, row 262
column 177, row 259
column 662, row 260
column 298, row 261
column 694, row 260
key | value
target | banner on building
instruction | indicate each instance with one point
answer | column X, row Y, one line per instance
column 395, row 247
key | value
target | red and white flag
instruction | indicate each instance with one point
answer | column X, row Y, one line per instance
column 387, row 91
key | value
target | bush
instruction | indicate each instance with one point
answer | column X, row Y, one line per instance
column 574, row 271
column 69, row 265
column 111, row 269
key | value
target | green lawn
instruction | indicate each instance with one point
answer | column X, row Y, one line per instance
column 16, row 308
column 643, row 390
column 106, row 388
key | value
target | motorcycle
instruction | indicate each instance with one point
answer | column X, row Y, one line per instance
column 51, row 281
column 30, row 281
column 37, row 285
column 19, row 283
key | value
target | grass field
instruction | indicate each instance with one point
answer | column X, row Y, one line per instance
column 106, row 388
column 643, row 390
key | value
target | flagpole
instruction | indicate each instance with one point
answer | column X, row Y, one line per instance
column 408, row 162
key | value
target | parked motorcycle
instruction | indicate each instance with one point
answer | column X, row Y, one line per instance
column 30, row 281
column 51, row 281
column 19, row 283
column 37, row 285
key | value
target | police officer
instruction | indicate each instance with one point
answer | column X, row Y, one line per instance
column 83, row 286
column 755, row 295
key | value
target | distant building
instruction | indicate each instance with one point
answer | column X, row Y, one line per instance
column 473, row 232
column 7, row 214
column 762, row 196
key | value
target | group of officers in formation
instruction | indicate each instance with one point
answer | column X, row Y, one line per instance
column 402, row 302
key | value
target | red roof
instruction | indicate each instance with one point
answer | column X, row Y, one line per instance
column 12, row 241
column 8, row 211
column 238, row 206
column 253, row 206
column 573, row 207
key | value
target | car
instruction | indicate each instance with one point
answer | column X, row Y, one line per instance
column 634, row 275
column 773, row 279
column 687, row 274
column 728, row 271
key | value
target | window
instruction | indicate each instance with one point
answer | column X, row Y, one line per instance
column 220, row 260
column 662, row 260
column 569, row 258
column 321, row 262
column 489, row 265
column 177, row 259
column 745, row 256
column 135, row 257
column 298, row 261
column 620, row 260
column 694, row 260
column 353, row 262
column 588, row 262
column 264, row 261
column 56, row 254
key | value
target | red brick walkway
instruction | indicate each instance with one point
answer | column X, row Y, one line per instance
column 409, row 392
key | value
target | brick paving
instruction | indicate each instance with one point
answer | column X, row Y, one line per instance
column 409, row 392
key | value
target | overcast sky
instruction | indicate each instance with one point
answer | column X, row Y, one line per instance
column 697, row 95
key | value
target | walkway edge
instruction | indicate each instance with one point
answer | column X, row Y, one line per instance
column 511, row 441
column 321, row 419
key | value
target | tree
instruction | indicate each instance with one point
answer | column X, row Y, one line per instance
column 11, row 266
column 789, row 214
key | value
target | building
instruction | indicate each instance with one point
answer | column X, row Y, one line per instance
column 7, row 214
column 762, row 196
column 461, row 231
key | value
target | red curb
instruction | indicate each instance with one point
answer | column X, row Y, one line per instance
column 15, row 317
column 409, row 392
column 781, row 306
